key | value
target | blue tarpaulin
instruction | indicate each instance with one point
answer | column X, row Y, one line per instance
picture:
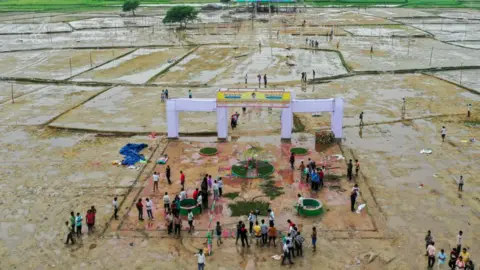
column 131, row 152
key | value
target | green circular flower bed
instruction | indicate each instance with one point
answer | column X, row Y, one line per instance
column 208, row 151
column 299, row 151
column 252, row 169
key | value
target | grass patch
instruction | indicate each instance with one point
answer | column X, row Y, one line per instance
column 474, row 124
column 243, row 208
column 231, row 195
column 269, row 189
column 208, row 151
column 298, row 126
column 299, row 151
column 262, row 168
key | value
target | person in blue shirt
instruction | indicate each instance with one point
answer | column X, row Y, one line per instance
column 441, row 258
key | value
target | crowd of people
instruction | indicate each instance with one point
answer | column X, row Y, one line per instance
column 74, row 225
column 459, row 258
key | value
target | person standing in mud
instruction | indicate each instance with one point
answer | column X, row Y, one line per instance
column 428, row 240
column 469, row 108
column 178, row 224
column 166, row 93
column 361, row 119
column 259, row 80
column 156, row 178
column 303, row 76
column 246, row 78
column 72, row 220
column 115, row 208
column 78, row 224
column 353, row 199
column 460, row 183
column 167, row 173
column 182, row 179
column 69, row 234
column 313, row 71
column 357, row 167
column 140, row 209
column 292, row 161
column 243, row 234
column 443, row 131
column 349, row 170
column 265, row 80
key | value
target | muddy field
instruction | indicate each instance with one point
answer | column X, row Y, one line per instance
column 62, row 131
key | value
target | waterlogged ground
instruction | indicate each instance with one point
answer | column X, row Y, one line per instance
column 64, row 127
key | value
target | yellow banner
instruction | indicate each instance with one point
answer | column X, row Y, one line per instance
column 252, row 98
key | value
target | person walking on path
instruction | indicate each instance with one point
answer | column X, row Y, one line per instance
column 350, row 170
column 182, row 179
column 286, row 252
column 239, row 231
column 190, row 94
column 167, row 173
column 459, row 240
column 314, row 238
column 361, row 119
column 89, row 220
column 441, row 259
column 460, row 183
column 140, row 209
column 299, row 244
column 292, row 161
column 190, row 221
column 265, row 80
column 78, row 224
column 218, row 233
column 201, row 259
column 72, row 220
column 443, row 131
column 115, row 208
column 353, row 199
column 149, row 205
column 431, row 254
column 428, row 240
column 178, row 224
column 156, row 178
column 243, row 233
column 357, row 167
column 69, row 233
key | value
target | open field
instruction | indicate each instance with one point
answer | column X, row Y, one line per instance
column 77, row 86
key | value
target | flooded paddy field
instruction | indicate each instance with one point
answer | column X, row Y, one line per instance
column 62, row 130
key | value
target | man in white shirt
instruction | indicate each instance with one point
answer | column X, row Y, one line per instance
column 190, row 221
column 271, row 217
column 166, row 201
column 220, row 186
column 443, row 131
column 199, row 201
column 300, row 203
column 431, row 254
column 149, row 205
column 201, row 259
column 286, row 252
column 459, row 240
column 156, row 178
column 215, row 190
column 183, row 195
column 115, row 208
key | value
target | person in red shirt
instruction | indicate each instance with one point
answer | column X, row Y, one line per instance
column 90, row 217
column 320, row 175
column 182, row 179
column 195, row 194
column 140, row 209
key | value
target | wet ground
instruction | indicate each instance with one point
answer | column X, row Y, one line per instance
column 64, row 127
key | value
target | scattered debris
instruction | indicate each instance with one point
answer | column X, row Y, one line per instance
column 360, row 207
column 277, row 257
column 426, row 151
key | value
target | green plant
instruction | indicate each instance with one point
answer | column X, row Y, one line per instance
column 180, row 14
column 325, row 137
column 231, row 195
column 242, row 208
column 208, row 151
column 269, row 189
column 130, row 5
column 332, row 177
column 299, row 151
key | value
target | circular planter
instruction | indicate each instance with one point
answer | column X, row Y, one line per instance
column 208, row 151
column 188, row 204
column 299, row 151
column 311, row 207
column 253, row 169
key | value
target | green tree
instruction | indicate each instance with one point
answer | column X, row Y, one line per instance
column 180, row 14
column 130, row 5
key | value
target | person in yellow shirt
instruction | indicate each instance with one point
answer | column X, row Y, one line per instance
column 258, row 231
column 465, row 255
